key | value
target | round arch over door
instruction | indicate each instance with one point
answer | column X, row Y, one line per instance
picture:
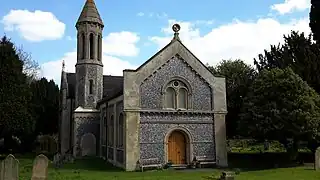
column 88, row 145
column 177, row 147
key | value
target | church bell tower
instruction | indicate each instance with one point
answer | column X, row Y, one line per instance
column 89, row 67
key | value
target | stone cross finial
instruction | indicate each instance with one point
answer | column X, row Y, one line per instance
column 176, row 28
column 63, row 65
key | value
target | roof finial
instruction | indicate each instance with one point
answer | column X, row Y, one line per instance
column 63, row 65
column 176, row 28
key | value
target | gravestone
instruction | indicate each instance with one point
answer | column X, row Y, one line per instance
column 227, row 175
column 317, row 159
column 10, row 168
column 40, row 168
column 57, row 160
column 68, row 158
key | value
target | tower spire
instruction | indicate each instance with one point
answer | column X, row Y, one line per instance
column 90, row 13
column 63, row 65
column 89, row 67
column 64, row 83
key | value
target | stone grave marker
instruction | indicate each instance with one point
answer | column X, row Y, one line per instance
column 40, row 168
column 317, row 159
column 10, row 168
column 227, row 175
column 57, row 160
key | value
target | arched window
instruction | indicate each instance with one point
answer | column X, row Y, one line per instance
column 170, row 97
column 182, row 98
column 83, row 44
column 176, row 95
column 99, row 47
column 90, row 86
column 91, row 46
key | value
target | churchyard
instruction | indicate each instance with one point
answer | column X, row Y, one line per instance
column 276, row 99
column 246, row 162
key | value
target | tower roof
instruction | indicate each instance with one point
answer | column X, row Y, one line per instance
column 90, row 13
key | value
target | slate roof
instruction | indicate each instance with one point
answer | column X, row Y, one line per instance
column 112, row 86
column 90, row 13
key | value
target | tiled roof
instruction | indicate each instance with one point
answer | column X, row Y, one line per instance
column 90, row 13
column 112, row 86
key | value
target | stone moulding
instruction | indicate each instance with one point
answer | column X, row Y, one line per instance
column 178, row 56
column 176, row 122
column 167, row 111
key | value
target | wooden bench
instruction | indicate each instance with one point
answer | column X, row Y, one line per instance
column 150, row 163
column 204, row 160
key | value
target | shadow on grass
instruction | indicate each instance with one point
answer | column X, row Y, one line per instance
column 91, row 164
column 264, row 161
column 242, row 161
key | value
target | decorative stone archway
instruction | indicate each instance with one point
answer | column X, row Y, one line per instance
column 188, row 143
column 88, row 145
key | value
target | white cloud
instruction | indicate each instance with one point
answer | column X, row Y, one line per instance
column 115, row 44
column 162, row 15
column 69, row 38
column 140, row 14
column 204, row 22
column 238, row 39
column 290, row 6
column 121, row 44
column 153, row 14
column 34, row 26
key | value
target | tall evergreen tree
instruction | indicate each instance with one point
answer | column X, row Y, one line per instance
column 15, row 95
column 299, row 53
column 314, row 17
column 45, row 100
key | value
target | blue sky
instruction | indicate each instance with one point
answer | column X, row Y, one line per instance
column 136, row 29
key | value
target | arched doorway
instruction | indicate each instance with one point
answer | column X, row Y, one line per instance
column 177, row 147
column 88, row 145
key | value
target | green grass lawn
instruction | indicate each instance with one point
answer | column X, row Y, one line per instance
column 96, row 169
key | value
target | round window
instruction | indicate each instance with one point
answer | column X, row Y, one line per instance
column 175, row 83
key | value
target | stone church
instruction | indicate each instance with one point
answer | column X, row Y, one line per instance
column 171, row 108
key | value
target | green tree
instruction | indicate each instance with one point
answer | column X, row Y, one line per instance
column 15, row 116
column 280, row 105
column 239, row 77
column 30, row 66
column 314, row 17
column 299, row 53
column 45, row 100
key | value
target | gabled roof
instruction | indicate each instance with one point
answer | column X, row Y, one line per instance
column 173, row 48
column 159, row 52
column 112, row 86
column 90, row 13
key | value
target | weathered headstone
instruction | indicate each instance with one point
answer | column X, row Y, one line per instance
column 57, row 160
column 69, row 158
column 10, row 168
column 227, row 175
column 317, row 159
column 40, row 168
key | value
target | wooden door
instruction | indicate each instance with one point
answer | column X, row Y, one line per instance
column 177, row 148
